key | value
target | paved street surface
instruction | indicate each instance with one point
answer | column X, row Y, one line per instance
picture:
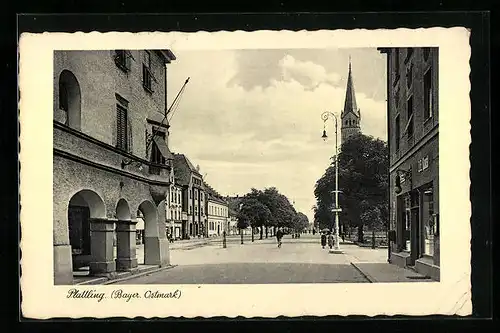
column 204, row 261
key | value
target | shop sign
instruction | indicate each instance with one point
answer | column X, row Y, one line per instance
column 425, row 162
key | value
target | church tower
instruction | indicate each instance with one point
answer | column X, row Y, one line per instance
column 351, row 115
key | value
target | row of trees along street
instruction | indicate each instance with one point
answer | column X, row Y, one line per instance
column 265, row 210
column 364, row 184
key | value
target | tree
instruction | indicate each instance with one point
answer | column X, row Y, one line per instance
column 253, row 213
column 280, row 213
column 363, row 180
column 300, row 222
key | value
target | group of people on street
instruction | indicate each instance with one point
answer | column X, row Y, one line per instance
column 327, row 236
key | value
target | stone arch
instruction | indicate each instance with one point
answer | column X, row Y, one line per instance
column 123, row 210
column 150, row 217
column 148, row 211
column 82, row 207
column 69, row 108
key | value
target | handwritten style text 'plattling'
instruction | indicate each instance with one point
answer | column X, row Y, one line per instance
column 121, row 294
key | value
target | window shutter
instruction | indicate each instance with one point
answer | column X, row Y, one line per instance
column 121, row 128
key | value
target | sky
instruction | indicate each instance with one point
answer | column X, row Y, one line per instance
column 251, row 118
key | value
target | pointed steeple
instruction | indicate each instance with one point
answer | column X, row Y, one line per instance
column 350, row 96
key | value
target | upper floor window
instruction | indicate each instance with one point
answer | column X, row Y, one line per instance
column 122, row 124
column 427, row 51
column 397, row 131
column 396, row 65
column 409, row 52
column 409, row 125
column 122, row 59
column 147, row 76
column 409, row 75
column 396, row 98
column 156, row 155
column 428, row 94
column 69, row 109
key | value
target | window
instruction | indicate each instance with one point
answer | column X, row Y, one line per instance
column 428, row 94
column 428, row 219
column 122, row 59
column 427, row 51
column 63, row 96
column 69, row 108
column 121, row 124
column 409, row 76
column 396, row 65
column 397, row 131
column 156, row 155
column 146, row 72
column 409, row 126
column 409, row 52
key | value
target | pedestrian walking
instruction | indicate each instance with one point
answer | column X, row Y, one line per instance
column 330, row 241
column 323, row 240
column 279, row 236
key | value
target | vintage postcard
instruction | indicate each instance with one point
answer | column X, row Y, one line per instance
column 252, row 174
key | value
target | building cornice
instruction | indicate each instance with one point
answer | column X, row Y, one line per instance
column 430, row 135
column 104, row 145
column 79, row 159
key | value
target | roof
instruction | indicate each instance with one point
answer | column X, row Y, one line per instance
column 214, row 195
column 167, row 54
column 183, row 169
column 350, row 104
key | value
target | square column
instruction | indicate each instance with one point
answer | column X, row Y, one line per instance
column 126, row 246
column 101, row 244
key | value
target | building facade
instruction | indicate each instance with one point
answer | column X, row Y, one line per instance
column 174, row 209
column 350, row 123
column 217, row 213
column 413, row 128
column 111, row 162
column 193, row 198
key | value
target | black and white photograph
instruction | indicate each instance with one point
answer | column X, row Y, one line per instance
column 178, row 165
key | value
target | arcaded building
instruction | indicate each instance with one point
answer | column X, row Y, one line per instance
column 111, row 163
column 413, row 128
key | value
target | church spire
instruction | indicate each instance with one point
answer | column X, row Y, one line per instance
column 350, row 96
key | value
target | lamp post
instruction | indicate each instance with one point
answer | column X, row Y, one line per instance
column 337, row 209
column 241, row 230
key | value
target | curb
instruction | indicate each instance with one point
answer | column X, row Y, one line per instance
column 126, row 276
column 367, row 276
column 132, row 276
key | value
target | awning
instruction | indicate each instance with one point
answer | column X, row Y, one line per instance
column 162, row 146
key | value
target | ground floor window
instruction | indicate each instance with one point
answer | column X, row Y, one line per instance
column 428, row 221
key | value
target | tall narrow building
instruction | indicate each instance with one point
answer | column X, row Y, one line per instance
column 351, row 115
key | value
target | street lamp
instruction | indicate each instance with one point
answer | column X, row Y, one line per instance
column 337, row 209
column 241, row 230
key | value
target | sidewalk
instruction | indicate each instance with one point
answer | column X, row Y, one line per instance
column 372, row 263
